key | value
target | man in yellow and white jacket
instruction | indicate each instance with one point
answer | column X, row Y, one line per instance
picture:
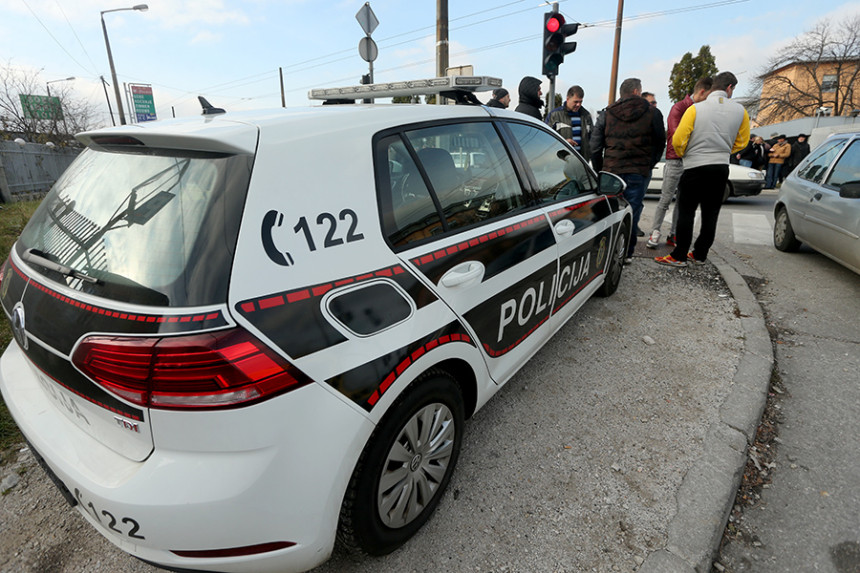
column 709, row 132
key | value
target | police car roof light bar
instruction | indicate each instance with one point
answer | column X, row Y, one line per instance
column 431, row 86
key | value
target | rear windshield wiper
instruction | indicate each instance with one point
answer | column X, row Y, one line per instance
column 37, row 257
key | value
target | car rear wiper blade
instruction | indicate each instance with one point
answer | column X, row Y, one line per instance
column 38, row 257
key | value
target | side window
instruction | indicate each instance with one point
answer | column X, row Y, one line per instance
column 847, row 169
column 469, row 171
column 820, row 160
column 409, row 213
column 559, row 173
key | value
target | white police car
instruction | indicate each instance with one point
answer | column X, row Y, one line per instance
column 239, row 336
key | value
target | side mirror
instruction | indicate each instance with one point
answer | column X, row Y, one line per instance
column 850, row 190
column 610, row 184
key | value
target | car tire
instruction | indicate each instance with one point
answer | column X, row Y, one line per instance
column 405, row 467
column 728, row 192
column 783, row 233
column 616, row 263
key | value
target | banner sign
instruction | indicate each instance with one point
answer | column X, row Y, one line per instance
column 144, row 103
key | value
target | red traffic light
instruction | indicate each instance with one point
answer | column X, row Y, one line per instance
column 554, row 23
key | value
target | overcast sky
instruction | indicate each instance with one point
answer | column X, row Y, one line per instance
column 230, row 50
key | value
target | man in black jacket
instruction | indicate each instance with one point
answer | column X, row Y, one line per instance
column 629, row 137
column 530, row 97
column 799, row 150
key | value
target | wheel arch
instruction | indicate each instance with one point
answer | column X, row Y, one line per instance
column 462, row 372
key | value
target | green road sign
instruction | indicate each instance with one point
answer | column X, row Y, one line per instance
column 41, row 107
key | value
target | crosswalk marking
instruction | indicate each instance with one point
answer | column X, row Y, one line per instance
column 751, row 229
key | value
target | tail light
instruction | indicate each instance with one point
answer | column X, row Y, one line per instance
column 222, row 369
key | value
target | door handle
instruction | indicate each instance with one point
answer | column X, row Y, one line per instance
column 816, row 197
column 462, row 274
column 565, row 227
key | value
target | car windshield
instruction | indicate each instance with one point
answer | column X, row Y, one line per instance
column 154, row 228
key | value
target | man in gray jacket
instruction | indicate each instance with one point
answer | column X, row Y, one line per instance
column 709, row 132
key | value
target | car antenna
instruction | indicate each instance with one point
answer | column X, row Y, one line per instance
column 208, row 108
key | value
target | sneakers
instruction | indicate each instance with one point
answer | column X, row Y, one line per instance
column 693, row 259
column 670, row 240
column 628, row 260
column 669, row 261
column 654, row 239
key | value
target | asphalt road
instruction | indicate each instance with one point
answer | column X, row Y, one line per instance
column 807, row 519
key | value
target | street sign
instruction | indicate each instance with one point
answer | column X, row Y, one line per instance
column 367, row 19
column 367, row 49
column 41, row 107
column 143, row 102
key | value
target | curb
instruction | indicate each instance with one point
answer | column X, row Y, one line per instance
column 708, row 490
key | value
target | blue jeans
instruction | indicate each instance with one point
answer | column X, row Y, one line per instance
column 635, row 195
column 746, row 162
column 772, row 176
column 672, row 171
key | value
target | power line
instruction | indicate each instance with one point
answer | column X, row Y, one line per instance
column 648, row 15
column 52, row 36
column 75, row 33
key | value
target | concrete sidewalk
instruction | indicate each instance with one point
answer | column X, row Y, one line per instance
column 708, row 490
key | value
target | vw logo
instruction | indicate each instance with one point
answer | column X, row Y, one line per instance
column 18, row 326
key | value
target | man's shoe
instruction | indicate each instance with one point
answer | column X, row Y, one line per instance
column 670, row 240
column 640, row 232
column 654, row 239
column 669, row 261
column 693, row 259
column 628, row 260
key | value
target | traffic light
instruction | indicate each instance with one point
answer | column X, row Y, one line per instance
column 555, row 32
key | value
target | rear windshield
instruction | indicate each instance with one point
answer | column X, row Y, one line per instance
column 156, row 228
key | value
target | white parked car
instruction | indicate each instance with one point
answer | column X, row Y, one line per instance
column 819, row 202
column 241, row 335
column 743, row 181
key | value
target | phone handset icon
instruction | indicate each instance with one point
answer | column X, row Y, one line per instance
column 271, row 220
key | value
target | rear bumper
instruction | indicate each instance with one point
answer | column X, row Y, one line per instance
column 271, row 472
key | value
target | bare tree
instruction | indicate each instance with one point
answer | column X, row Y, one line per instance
column 76, row 115
column 819, row 69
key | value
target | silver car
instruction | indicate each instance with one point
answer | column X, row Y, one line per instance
column 819, row 203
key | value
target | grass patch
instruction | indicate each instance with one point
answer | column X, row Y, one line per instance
column 13, row 217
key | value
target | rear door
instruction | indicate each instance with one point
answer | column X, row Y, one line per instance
column 459, row 217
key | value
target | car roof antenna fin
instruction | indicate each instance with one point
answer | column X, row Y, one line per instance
column 208, row 108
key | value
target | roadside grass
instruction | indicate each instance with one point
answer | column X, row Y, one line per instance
column 13, row 217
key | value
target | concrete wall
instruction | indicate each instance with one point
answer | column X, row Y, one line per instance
column 27, row 171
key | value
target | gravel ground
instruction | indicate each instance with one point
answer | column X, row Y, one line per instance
column 573, row 466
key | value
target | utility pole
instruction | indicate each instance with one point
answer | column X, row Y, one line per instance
column 613, row 80
column 110, row 111
column 441, row 41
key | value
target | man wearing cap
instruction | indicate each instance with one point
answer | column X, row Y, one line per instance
column 573, row 122
column 501, row 99
column 777, row 155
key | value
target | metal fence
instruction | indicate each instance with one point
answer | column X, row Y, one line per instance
column 28, row 170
